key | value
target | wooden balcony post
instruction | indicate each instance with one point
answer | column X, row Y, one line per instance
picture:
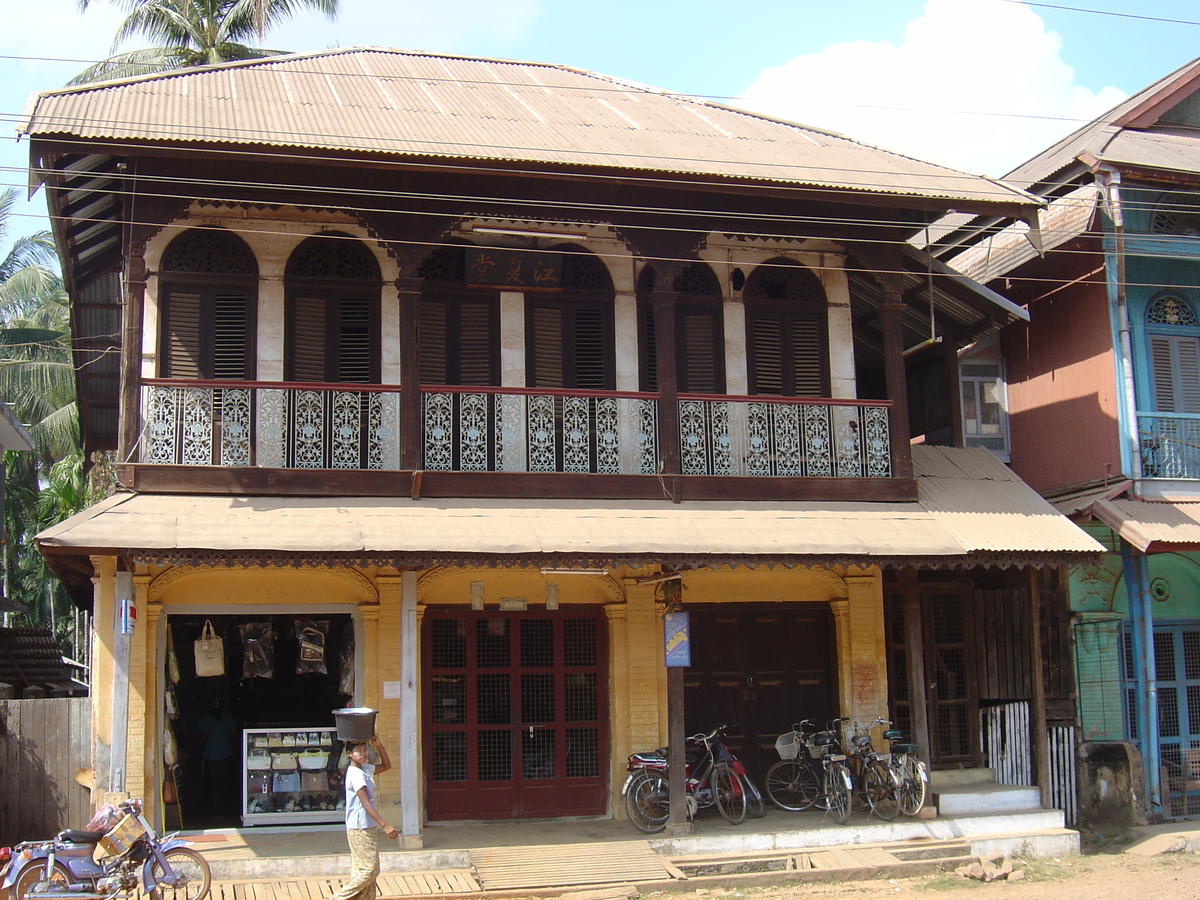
column 891, row 315
column 131, row 357
column 668, row 389
column 409, row 292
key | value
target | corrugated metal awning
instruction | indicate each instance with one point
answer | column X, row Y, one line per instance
column 1152, row 527
column 972, row 511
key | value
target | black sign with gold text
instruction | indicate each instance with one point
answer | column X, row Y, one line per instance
column 514, row 269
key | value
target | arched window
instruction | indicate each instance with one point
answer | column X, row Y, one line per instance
column 458, row 329
column 569, row 335
column 699, row 331
column 786, row 335
column 332, row 322
column 1173, row 332
column 1177, row 213
column 208, row 287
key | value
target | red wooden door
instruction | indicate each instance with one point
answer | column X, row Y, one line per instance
column 514, row 714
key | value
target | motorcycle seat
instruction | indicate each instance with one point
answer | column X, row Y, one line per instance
column 74, row 836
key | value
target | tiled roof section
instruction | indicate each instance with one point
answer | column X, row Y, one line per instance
column 30, row 656
column 413, row 105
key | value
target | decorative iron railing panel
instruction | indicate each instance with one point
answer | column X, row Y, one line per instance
column 1169, row 444
column 277, row 427
column 776, row 437
column 470, row 430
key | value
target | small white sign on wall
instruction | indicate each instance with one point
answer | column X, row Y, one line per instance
column 391, row 690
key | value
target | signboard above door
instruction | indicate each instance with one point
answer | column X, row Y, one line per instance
column 521, row 270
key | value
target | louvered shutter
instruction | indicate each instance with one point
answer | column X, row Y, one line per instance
column 699, row 367
column 183, row 328
column 547, row 357
column 649, row 349
column 591, row 352
column 475, row 342
column 766, row 345
column 1164, row 382
column 432, row 338
column 229, row 358
column 308, row 339
column 808, row 372
column 354, row 351
column 1175, row 361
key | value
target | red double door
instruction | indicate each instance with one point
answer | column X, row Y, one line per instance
column 514, row 714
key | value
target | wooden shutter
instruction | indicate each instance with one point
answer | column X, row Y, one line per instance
column 183, row 335
column 807, row 354
column 1175, row 361
column 475, row 343
column 355, row 351
column 649, row 349
column 766, row 347
column 431, row 326
column 308, row 339
column 229, row 358
column 547, row 363
column 591, row 350
column 700, row 366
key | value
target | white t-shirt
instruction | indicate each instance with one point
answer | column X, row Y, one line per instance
column 359, row 777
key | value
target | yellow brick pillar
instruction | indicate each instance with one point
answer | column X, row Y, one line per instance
column 387, row 725
column 618, row 699
column 647, row 722
column 141, row 744
column 104, row 614
column 862, row 648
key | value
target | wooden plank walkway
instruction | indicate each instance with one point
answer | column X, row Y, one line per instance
column 562, row 865
column 321, row 887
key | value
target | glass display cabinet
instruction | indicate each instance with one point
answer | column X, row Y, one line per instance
column 292, row 775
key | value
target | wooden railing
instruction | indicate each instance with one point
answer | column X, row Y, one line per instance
column 508, row 429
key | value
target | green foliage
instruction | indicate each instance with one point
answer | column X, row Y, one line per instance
column 193, row 33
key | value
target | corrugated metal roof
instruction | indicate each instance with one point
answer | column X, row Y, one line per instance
column 1169, row 151
column 969, row 504
column 1064, row 220
column 30, row 656
column 1152, row 527
column 408, row 104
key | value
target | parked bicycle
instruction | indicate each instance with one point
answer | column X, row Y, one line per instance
column 876, row 780
column 714, row 777
column 912, row 773
column 811, row 773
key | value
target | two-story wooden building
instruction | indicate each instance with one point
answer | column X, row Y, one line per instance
column 456, row 362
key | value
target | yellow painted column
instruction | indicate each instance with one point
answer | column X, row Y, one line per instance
column 139, row 739
column 618, row 700
column 868, row 695
column 647, row 675
column 103, row 669
column 387, row 725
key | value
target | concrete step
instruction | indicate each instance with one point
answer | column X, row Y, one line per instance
column 952, row 777
column 973, row 799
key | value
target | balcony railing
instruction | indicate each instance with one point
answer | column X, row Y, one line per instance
column 1169, row 444
column 504, row 429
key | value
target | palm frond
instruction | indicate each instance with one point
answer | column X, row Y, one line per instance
column 149, row 61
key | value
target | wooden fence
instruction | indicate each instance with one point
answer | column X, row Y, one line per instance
column 43, row 745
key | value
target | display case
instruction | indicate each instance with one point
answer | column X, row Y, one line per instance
column 292, row 775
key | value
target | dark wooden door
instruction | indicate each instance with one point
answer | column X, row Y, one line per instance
column 760, row 668
column 514, row 714
column 950, row 670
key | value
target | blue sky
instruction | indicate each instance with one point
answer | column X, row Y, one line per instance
column 979, row 84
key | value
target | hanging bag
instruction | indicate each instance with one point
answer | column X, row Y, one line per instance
column 210, row 653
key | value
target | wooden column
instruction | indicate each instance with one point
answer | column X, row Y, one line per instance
column 409, row 292
column 955, row 393
column 891, row 315
column 914, row 654
column 668, row 390
column 1041, row 737
column 678, row 823
column 131, row 357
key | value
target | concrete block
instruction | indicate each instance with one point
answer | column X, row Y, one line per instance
column 1111, row 787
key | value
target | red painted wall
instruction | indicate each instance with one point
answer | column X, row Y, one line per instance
column 1062, row 390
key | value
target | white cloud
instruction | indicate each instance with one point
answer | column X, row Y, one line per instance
column 979, row 84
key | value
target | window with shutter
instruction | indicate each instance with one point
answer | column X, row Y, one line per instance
column 699, row 331
column 332, row 318
column 209, row 280
column 787, row 351
column 459, row 340
column 1175, row 360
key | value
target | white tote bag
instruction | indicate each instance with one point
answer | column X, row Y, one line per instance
column 210, row 653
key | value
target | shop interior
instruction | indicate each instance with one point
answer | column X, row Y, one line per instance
column 239, row 699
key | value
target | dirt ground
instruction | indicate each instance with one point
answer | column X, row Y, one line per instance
column 1093, row 876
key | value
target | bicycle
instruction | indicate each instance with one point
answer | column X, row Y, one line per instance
column 912, row 773
column 711, row 780
column 876, row 781
column 795, row 782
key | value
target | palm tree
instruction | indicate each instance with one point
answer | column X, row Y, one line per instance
column 193, row 33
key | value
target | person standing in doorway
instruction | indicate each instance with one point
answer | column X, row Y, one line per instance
column 218, row 765
column 363, row 820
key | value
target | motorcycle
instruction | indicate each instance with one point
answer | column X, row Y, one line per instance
column 118, row 853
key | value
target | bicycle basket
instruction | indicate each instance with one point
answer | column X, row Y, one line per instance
column 788, row 745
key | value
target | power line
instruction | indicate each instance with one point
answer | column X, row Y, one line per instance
column 1104, row 12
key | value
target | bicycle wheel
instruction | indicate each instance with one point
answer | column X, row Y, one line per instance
column 791, row 785
column 191, row 876
column 881, row 790
column 648, row 802
column 731, row 799
column 837, row 791
column 756, row 805
column 913, row 780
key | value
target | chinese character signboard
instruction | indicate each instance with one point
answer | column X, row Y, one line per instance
column 677, row 645
column 514, row 269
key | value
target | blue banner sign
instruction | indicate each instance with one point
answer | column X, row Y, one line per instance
column 677, row 643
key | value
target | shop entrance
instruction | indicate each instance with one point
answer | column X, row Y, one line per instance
column 514, row 713
column 280, row 672
column 760, row 668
